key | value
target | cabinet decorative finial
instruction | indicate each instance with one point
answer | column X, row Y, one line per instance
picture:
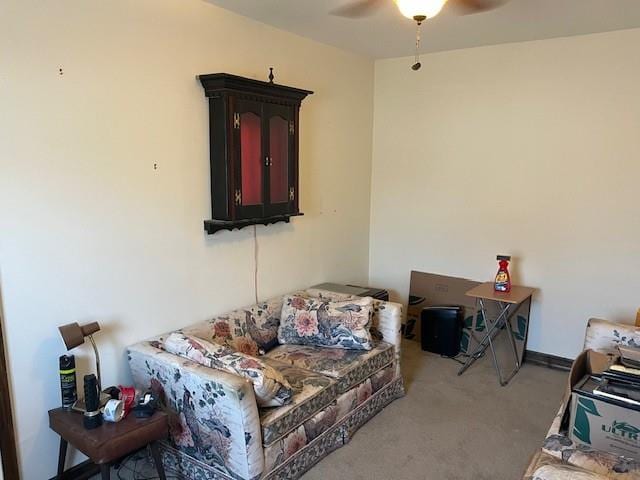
column 271, row 77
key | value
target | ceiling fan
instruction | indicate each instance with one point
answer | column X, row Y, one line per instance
column 417, row 10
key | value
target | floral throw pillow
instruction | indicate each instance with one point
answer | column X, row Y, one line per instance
column 323, row 323
column 271, row 388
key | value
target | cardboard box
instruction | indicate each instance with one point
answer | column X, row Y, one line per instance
column 595, row 422
column 429, row 289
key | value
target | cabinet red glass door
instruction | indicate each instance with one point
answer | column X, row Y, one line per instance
column 249, row 193
column 280, row 172
column 278, row 160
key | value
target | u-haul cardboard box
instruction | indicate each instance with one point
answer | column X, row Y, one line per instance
column 596, row 422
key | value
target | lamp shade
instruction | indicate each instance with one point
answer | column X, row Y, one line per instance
column 420, row 8
column 73, row 334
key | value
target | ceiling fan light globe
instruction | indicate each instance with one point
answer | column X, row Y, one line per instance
column 420, row 8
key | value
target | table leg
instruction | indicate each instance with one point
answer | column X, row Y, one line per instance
column 518, row 364
column 477, row 353
column 157, row 459
column 105, row 471
column 62, row 456
column 492, row 329
column 513, row 342
column 497, row 329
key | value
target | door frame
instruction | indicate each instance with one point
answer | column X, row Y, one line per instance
column 8, row 449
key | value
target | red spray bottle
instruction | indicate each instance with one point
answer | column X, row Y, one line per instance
column 503, row 279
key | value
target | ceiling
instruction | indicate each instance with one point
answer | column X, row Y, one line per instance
column 388, row 34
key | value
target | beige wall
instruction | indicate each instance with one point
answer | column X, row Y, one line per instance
column 531, row 149
column 540, row 136
column 90, row 231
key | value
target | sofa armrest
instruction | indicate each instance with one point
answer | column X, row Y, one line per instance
column 215, row 413
column 605, row 336
column 387, row 320
column 565, row 472
column 546, row 467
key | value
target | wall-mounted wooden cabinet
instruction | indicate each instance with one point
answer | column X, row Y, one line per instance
column 253, row 130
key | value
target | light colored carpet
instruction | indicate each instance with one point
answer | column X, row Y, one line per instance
column 446, row 427
column 449, row 427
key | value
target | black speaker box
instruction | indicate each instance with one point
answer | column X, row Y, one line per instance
column 441, row 329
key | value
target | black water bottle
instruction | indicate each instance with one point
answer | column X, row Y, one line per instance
column 92, row 416
column 68, row 386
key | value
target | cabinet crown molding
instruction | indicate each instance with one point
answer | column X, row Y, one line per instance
column 215, row 84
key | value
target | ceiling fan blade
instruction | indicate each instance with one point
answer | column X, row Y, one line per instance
column 358, row 9
column 468, row 7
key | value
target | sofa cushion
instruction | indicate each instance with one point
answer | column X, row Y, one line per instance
column 348, row 367
column 320, row 322
column 312, row 392
column 270, row 386
column 251, row 330
column 360, row 393
column 278, row 452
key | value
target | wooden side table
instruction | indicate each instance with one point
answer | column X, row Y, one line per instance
column 110, row 442
column 508, row 304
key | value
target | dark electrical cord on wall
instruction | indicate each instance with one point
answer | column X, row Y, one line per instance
column 131, row 467
column 255, row 261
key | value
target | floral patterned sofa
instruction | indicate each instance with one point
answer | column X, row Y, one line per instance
column 560, row 458
column 218, row 431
